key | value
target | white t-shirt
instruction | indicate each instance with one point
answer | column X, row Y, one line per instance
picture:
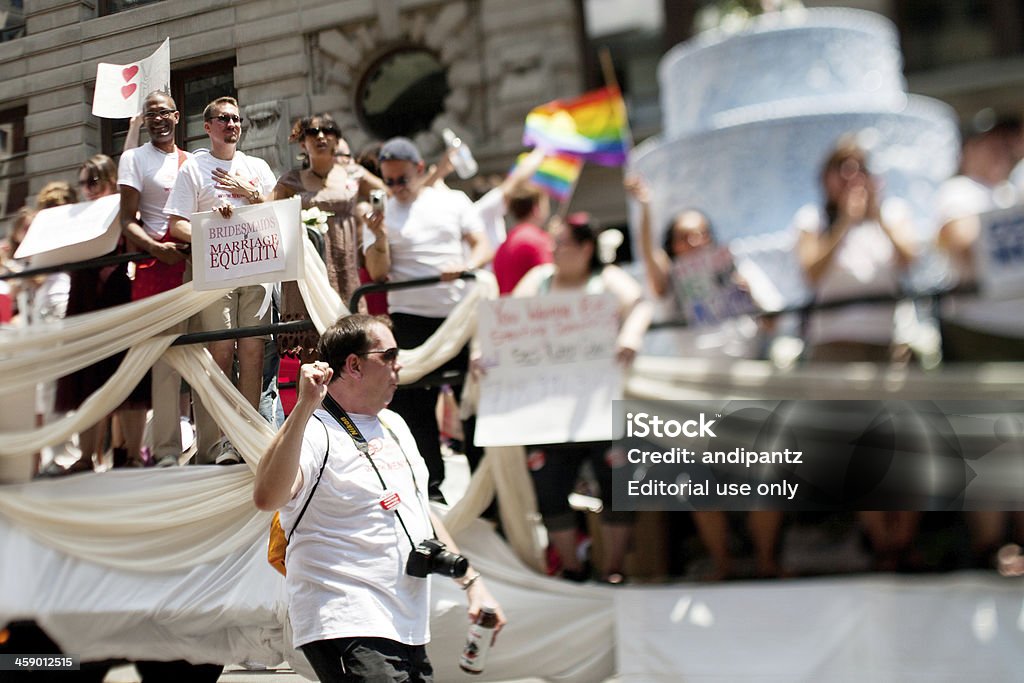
column 960, row 197
column 194, row 189
column 152, row 173
column 864, row 264
column 346, row 559
column 424, row 237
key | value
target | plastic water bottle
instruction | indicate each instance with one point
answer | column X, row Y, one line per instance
column 478, row 641
column 462, row 158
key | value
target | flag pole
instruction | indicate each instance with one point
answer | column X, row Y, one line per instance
column 563, row 207
column 608, row 72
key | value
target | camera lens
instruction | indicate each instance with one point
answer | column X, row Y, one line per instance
column 450, row 564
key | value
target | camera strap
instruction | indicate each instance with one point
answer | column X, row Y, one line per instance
column 316, row 483
column 339, row 414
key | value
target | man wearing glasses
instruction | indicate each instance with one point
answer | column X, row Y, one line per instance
column 347, row 478
column 145, row 176
column 424, row 233
column 220, row 179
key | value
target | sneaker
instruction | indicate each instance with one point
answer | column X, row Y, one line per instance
column 252, row 665
column 167, row 461
column 188, row 434
column 228, row 454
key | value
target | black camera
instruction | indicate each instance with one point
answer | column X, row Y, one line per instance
column 432, row 557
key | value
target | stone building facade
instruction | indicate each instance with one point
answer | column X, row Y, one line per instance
column 283, row 59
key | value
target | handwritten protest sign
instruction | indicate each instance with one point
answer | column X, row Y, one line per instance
column 259, row 243
column 706, row 287
column 72, row 232
column 551, row 370
column 999, row 258
column 121, row 88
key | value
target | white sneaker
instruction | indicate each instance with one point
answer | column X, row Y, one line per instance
column 228, row 455
column 250, row 665
column 188, row 434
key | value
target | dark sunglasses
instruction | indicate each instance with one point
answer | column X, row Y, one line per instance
column 162, row 114
column 389, row 355
column 89, row 182
column 314, row 131
column 227, row 118
column 399, row 181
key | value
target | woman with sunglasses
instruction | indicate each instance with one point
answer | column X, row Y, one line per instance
column 334, row 184
column 94, row 289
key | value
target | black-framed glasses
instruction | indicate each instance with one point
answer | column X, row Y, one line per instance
column 399, row 181
column 314, row 131
column 388, row 355
column 227, row 118
column 89, row 182
column 161, row 114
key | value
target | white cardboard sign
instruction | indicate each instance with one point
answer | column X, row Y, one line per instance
column 551, row 369
column 259, row 243
column 999, row 256
column 122, row 88
column 72, row 232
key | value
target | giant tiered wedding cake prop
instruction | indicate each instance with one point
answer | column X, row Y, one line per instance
column 749, row 117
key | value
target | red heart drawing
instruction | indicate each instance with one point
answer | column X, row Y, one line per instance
column 127, row 90
column 129, row 72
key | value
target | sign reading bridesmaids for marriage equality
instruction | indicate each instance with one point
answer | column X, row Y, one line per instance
column 259, row 243
column 551, row 373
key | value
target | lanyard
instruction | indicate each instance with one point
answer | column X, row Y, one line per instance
column 339, row 414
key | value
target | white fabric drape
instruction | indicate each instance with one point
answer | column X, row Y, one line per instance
column 950, row 628
column 82, row 529
column 47, row 351
column 141, row 521
column 164, row 530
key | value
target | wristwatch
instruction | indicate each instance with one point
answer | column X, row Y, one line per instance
column 254, row 196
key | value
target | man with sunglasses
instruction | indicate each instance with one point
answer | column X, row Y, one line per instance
column 425, row 232
column 220, row 179
column 348, row 480
column 145, row 176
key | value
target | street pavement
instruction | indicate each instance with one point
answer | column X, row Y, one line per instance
column 236, row 674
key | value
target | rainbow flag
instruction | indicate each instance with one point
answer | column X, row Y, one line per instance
column 557, row 173
column 592, row 126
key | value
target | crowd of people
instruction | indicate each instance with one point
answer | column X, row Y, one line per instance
column 857, row 244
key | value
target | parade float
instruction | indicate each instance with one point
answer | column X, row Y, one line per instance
column 171, row 564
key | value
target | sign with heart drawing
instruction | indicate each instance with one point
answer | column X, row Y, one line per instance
column 121, row 88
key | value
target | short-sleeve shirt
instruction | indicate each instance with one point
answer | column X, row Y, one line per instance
column 151, row 172
column 194, row 189
column 346, row 559
column 424, row 236
column 526, row 246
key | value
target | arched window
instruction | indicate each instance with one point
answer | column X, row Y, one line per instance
column 402, row 93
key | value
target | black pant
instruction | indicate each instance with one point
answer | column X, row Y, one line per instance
column 554, row 475
column 368, row 660
column 416, row 406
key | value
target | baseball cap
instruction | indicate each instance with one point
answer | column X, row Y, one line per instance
column 400, row 149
